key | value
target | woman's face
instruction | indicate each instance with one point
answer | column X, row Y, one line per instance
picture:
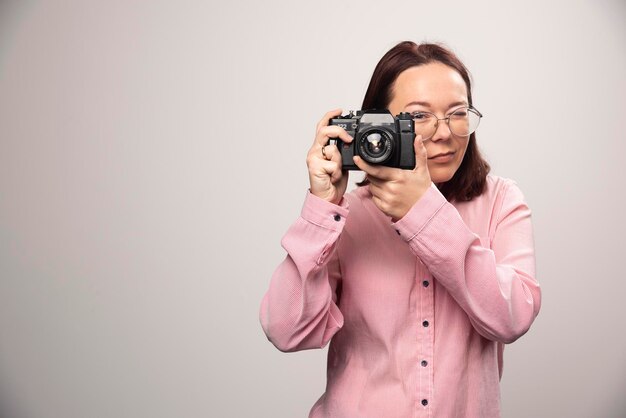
column 438, row 89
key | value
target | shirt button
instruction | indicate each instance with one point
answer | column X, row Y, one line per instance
column 424, row 402
column 337, row 218
column 425, row 283
column 425, row 323
column 424, row 363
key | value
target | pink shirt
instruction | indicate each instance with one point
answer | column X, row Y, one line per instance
column 417, row 312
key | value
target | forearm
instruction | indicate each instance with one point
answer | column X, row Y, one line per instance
column 496, row 286
column 299, row 310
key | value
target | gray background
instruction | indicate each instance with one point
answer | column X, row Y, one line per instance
column 152, row 155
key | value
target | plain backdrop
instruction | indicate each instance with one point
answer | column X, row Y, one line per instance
column 152, row 155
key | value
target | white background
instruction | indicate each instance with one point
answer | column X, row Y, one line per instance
column 152, row 155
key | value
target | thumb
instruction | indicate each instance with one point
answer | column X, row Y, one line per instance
column 421, row 156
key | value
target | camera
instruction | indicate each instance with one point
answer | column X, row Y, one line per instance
column 379, row 138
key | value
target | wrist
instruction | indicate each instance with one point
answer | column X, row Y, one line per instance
column 329, row 197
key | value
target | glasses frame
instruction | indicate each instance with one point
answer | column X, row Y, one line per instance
column 447, row 119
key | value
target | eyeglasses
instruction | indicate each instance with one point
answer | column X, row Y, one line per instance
column 462, row 122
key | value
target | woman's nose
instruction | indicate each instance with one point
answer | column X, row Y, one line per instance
column 442, row 131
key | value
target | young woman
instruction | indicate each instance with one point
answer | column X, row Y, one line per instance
column 418, row 277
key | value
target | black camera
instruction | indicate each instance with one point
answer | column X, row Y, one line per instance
column 379, row 138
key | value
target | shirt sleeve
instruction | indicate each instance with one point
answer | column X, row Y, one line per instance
column 495, row 286
column 299, row 310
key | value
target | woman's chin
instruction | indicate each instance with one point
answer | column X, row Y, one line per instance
column 440, row 176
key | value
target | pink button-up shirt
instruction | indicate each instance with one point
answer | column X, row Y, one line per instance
column 417, row 312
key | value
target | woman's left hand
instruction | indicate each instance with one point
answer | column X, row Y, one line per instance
column 394, row 190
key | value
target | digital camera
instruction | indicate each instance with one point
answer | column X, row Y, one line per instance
column 379, row 138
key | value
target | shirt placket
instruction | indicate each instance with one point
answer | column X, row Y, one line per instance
column 426, row 318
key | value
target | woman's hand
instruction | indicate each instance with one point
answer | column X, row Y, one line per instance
column 327, row 179
column 395, row 191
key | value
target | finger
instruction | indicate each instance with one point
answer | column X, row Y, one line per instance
column 335, row 153
column 333, row 169
column 337, row 159
column 326, row 153
column 376, row 181
column 328, row 132
column 336, row 176
column 330, row 152
column 378, row 171
column 326, row 119
column 421, row 156
column 375, row 189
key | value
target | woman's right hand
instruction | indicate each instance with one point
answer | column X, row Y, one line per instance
column 327, row 179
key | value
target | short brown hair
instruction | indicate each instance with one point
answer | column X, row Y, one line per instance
column 471, row 177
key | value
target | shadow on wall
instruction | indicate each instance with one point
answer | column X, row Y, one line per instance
column 12, row 14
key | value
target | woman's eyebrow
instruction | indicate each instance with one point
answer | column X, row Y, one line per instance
column 429, row 105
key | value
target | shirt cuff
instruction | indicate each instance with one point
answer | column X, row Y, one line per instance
column 323, row 213
column 420, row 213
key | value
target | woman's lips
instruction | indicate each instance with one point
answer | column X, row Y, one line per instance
column 445, row 158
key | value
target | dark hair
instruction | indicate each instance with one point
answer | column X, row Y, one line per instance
column 471, row 177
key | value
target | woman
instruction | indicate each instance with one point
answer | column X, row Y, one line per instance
column 418, row 277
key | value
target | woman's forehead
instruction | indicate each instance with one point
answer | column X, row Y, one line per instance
column 434, row 84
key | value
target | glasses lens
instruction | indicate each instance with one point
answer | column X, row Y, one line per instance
column 464, row 121
column 425, row 124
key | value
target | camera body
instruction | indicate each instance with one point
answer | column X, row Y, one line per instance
column 379, row 138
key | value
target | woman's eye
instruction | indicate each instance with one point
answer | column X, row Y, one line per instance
column 459, row 114
column 420, row 116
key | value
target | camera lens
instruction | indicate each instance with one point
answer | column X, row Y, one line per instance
column 375, row 146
